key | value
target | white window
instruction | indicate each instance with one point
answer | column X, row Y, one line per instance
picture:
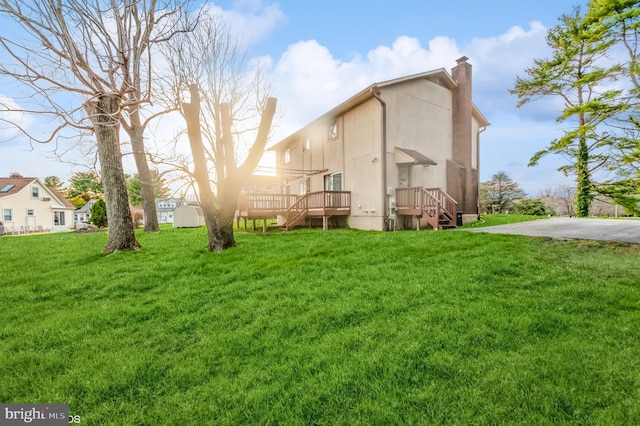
column 7, row 215
column 306, row 146
column 31, row 212
column 287, row 156
column 35, row 192
column 58, row 219
column 304, row 186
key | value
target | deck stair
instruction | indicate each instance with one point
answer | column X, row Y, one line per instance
column 431, row 204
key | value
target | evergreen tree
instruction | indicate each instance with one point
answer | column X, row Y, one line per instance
column 498, row 194
column 55, row 182
column 576, row 74
column 86, row 185
column 99, row 214
column 620, row 21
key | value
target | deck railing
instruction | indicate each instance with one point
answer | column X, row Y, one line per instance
column 433, row 204
column 329, row 200
column 257, row 204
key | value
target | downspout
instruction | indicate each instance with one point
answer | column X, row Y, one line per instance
column 384, row 209
column 480, row 130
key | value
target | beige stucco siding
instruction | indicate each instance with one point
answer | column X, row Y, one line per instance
column 363, row 172
column 419, row 118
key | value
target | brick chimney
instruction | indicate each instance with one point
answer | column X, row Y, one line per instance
column 462, row 138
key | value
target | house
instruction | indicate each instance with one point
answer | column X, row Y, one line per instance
column 28, row 205
column 188, row 216
column 83, row 214
column 165, row 208
column 400, row 153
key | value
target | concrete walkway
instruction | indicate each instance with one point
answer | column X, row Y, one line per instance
column 618, row 230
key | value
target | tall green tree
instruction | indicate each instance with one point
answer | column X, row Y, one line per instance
column 134, row 187
column 620, row 20
column 55, row 182
column 577, row 74
column 86, row 185
column 499, row 194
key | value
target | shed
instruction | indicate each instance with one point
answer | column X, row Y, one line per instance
column 188, row 216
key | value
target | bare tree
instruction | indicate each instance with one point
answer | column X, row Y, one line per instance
column 565, row 195
column 82, row 63
column 228, row 117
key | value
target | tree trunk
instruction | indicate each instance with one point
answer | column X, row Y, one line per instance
column 219, row 210
column 208, row 202
column 584, row 196
column 146, row 182
column 103, row 111
column 221, row 232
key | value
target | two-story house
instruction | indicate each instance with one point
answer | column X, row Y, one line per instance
column 400, row 153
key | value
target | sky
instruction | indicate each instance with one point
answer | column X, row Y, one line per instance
column 320, row 53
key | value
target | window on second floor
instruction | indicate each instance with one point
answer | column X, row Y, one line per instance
column 35, row 192
column 306, row 146
column 287, row 156
column 333, row 130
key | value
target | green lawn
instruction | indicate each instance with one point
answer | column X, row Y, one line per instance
column 311, row 327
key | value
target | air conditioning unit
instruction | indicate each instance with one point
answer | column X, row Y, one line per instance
column 45, row 199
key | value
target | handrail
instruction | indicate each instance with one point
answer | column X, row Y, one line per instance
column 296, row 211
column 431, row 203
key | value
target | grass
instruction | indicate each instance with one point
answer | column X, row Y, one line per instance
column 311, row 327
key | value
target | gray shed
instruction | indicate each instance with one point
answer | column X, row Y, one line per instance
column 188, row 216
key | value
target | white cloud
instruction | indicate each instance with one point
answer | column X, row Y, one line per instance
column 250, row 20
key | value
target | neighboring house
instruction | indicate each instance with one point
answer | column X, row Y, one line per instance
column 27, row 205
column 83, row 214
column 188, row 216
column 165, row 208
column 404, row 152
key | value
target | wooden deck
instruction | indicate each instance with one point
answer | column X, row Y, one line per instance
column 432, row 204
column 295, row 209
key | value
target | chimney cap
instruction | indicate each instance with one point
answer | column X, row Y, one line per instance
column 462, row 59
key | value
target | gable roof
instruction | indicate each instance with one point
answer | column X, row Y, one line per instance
column 19, row 183
column 66, row 203
column 438, row 76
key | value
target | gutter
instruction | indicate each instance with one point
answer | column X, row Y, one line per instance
column 384, row 209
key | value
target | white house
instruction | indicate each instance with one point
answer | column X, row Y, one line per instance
column 28, row 205
column 83, row 214
column 165, row 208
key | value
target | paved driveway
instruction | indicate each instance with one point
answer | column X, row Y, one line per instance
column 620, row 230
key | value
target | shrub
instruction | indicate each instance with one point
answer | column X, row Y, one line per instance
column 137, row 215
column 533, row 206
column 99, row 214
